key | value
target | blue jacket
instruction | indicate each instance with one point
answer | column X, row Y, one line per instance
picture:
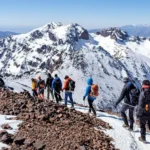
column 53, row 82
column 88, row 89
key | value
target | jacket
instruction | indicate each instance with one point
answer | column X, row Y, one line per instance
column 34, row 84
column 53, row 83
column 66, row 82
column 49, row 81
column 2, row 83
column 88, row 89
column 125, row 93
column 41, row 84
column 141, row 104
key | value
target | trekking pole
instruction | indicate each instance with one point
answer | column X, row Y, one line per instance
column 129, row 105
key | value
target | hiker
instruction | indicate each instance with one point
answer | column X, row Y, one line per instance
column 57, row 86
column 129, row 102
column 69, row 86
column 41, row 87
column 49, row 81
column 2, row 83
column 34, row 87
column 91, row 93
column 143, row 109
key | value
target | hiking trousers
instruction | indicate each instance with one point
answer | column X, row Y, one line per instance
column 91, row 106
column 57, row 95
column 34, row 92
column 69, row 94
column 143, row 120
column 124, row 117
column 50, row 91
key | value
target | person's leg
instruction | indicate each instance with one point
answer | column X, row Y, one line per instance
column 59, row 96
column 149, row 123
column 66, row 96
column 48, row 90
column 143, row 128
column 42, row 93
column 33, row 93
column 71, row 99
column 89, row 102
column 93, row 109
column 56, row 97
column 52, row 94
column 131, row 110
column 123, row 115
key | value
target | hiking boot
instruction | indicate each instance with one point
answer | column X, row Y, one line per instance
column 130, row 128
column 142, row 140
column 125, row 126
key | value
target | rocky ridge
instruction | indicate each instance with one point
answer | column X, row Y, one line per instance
column 50, row 126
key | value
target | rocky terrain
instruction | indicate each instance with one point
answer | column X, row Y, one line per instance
column 51, row 126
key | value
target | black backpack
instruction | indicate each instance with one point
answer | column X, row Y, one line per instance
column 71, row 85
column 147, row 102
column 134, row 96
column 57, row 84
column 1, row 82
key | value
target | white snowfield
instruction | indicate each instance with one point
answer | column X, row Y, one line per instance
column 4, row 119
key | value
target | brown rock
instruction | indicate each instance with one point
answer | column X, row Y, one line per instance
column 19, row 140
column 6, row 126
column 38, row 145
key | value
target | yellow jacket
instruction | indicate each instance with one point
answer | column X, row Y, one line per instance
column 33, row 85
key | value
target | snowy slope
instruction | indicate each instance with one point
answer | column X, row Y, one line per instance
column 107, row 57
column 13, row 123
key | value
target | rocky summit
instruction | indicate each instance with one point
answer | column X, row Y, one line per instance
column 51, row 126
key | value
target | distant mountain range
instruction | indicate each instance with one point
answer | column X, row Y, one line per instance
column 135, row 30
column 4, row 34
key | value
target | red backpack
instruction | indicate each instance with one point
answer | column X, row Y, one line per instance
column 94, row 90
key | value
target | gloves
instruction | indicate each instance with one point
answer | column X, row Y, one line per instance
column 84, row 98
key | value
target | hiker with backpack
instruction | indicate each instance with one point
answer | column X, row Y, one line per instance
column 143, row 109
column 41, row 87
column 57, row 86
column 49, row 81
column 91, row 93
column 69, row 86
column 130, row 94
column 34, row 87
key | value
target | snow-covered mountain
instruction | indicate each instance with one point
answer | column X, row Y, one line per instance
column 137, row 30
column 107, row 57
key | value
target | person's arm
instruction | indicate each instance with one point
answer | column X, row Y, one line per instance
column 61, row 83
column 139, row 110
column 122, row 95
column 87, row 91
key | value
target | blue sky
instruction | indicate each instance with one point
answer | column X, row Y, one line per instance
column 24, row 15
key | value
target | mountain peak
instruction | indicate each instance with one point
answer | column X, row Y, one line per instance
column 114, row 33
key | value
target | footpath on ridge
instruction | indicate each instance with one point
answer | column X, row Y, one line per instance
column 51, row 126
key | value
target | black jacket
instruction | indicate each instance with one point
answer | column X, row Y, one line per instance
column 49, row 81
column 125, row 93
column 2, row 83
column 141, row 104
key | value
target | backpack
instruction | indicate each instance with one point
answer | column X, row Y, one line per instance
column 57, row 84
column 49, row 81
column 134, row 96
column 94, row 90
column 1, row 82
column 71, row 85
column 147, row 102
